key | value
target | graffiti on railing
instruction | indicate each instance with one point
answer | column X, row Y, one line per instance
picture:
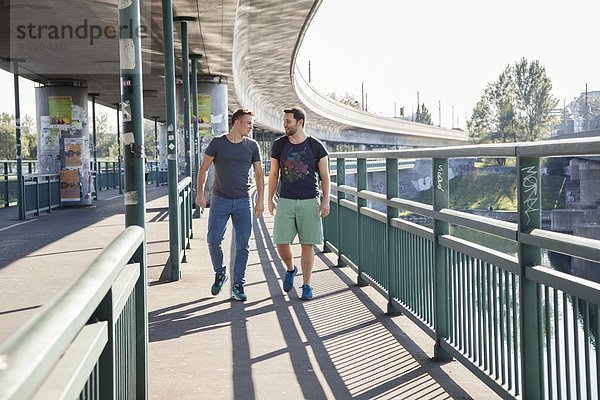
column 440, row 177
column 530, row 190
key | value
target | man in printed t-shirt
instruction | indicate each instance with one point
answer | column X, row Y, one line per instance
column 297, row 160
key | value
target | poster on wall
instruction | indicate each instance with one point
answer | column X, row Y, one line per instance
column 69, row 185
column 49, row 137
column 204, row 110
column 73, row 152
column 60, row 110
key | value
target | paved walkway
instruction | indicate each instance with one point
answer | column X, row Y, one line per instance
column 340, row 345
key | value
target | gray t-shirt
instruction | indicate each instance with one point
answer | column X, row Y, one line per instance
column 233, row 163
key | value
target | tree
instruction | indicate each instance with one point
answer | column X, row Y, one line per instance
column 8, row 139
column 423, row 115
column 28, row 138
column 516, row 107
column 346, row 99
column 106, row 138
column 149, row 143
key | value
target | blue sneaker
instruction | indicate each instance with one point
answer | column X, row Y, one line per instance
column 220, row 279
column 237, row 292
column 306, row 292
column 288, row 279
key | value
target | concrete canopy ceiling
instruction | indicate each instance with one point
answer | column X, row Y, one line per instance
column 96, row 65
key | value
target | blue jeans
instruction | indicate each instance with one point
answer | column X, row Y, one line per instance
column 241, row 216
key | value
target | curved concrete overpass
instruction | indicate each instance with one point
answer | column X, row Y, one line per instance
column 266, row 40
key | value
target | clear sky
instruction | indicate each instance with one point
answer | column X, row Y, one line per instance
column 447, row 50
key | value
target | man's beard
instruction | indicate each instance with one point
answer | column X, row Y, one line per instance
column 290, row 132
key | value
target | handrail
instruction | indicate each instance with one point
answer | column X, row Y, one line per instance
column 28, row 355
column 494, row 308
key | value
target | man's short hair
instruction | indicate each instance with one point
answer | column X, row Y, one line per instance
column 299, row 113
column 239, row 113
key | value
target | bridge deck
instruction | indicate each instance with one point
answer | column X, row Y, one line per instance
column 339, row 345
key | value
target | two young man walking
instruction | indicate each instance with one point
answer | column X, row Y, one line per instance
column 297, row 162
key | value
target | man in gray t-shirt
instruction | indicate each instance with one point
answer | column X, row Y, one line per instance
column 233, row 155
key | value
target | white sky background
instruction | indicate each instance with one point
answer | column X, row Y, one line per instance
column 447, row 50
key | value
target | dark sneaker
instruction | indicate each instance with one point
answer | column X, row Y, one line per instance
column 237, row 292
column 220, row 279
column 288, row 279
column 306, row 292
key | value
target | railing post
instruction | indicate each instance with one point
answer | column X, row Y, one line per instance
column 361, row 184
column 530, row 217
column 169, row 60
column 440, row 200
column 340, row 179
column 391, row 180
column 135, row 185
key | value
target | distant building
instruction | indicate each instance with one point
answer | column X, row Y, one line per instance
column 581, row 114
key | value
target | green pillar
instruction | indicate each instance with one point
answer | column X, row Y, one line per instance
column 530, row 217
column 135, row 187
column 97, row 180
column 169, row 57
column 185, row 61
column 119, row 176
column 196, row 133
column 440, row 291
column 156, row 154
column 20, row 183
column 95, row 154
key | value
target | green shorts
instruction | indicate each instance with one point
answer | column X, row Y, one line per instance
column 298, row 217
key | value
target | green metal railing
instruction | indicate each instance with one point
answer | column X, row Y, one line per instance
column 524, row 329
column 84, row 343
column 108, row 176
column 41, row 192
column 8, row 181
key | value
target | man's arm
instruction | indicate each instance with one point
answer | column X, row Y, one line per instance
column 273, row 178
column 325, row 186
column 259, row 207
column 206, row 161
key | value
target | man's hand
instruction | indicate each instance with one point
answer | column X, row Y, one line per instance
column 200, row 200
column 272, row 207
column 258, row 210
column 324, row 209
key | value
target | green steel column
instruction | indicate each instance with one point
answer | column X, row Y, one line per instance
column 93, row 96
column 185, row 61
column 20, row 183
column 135, row 185
column 156, row 153
column 391, row 181
column 361, row 184
column 340, row 179
column 195, row 58
column 118, row 105
column 530, row 217
column 174, row 220
column 440, row 291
